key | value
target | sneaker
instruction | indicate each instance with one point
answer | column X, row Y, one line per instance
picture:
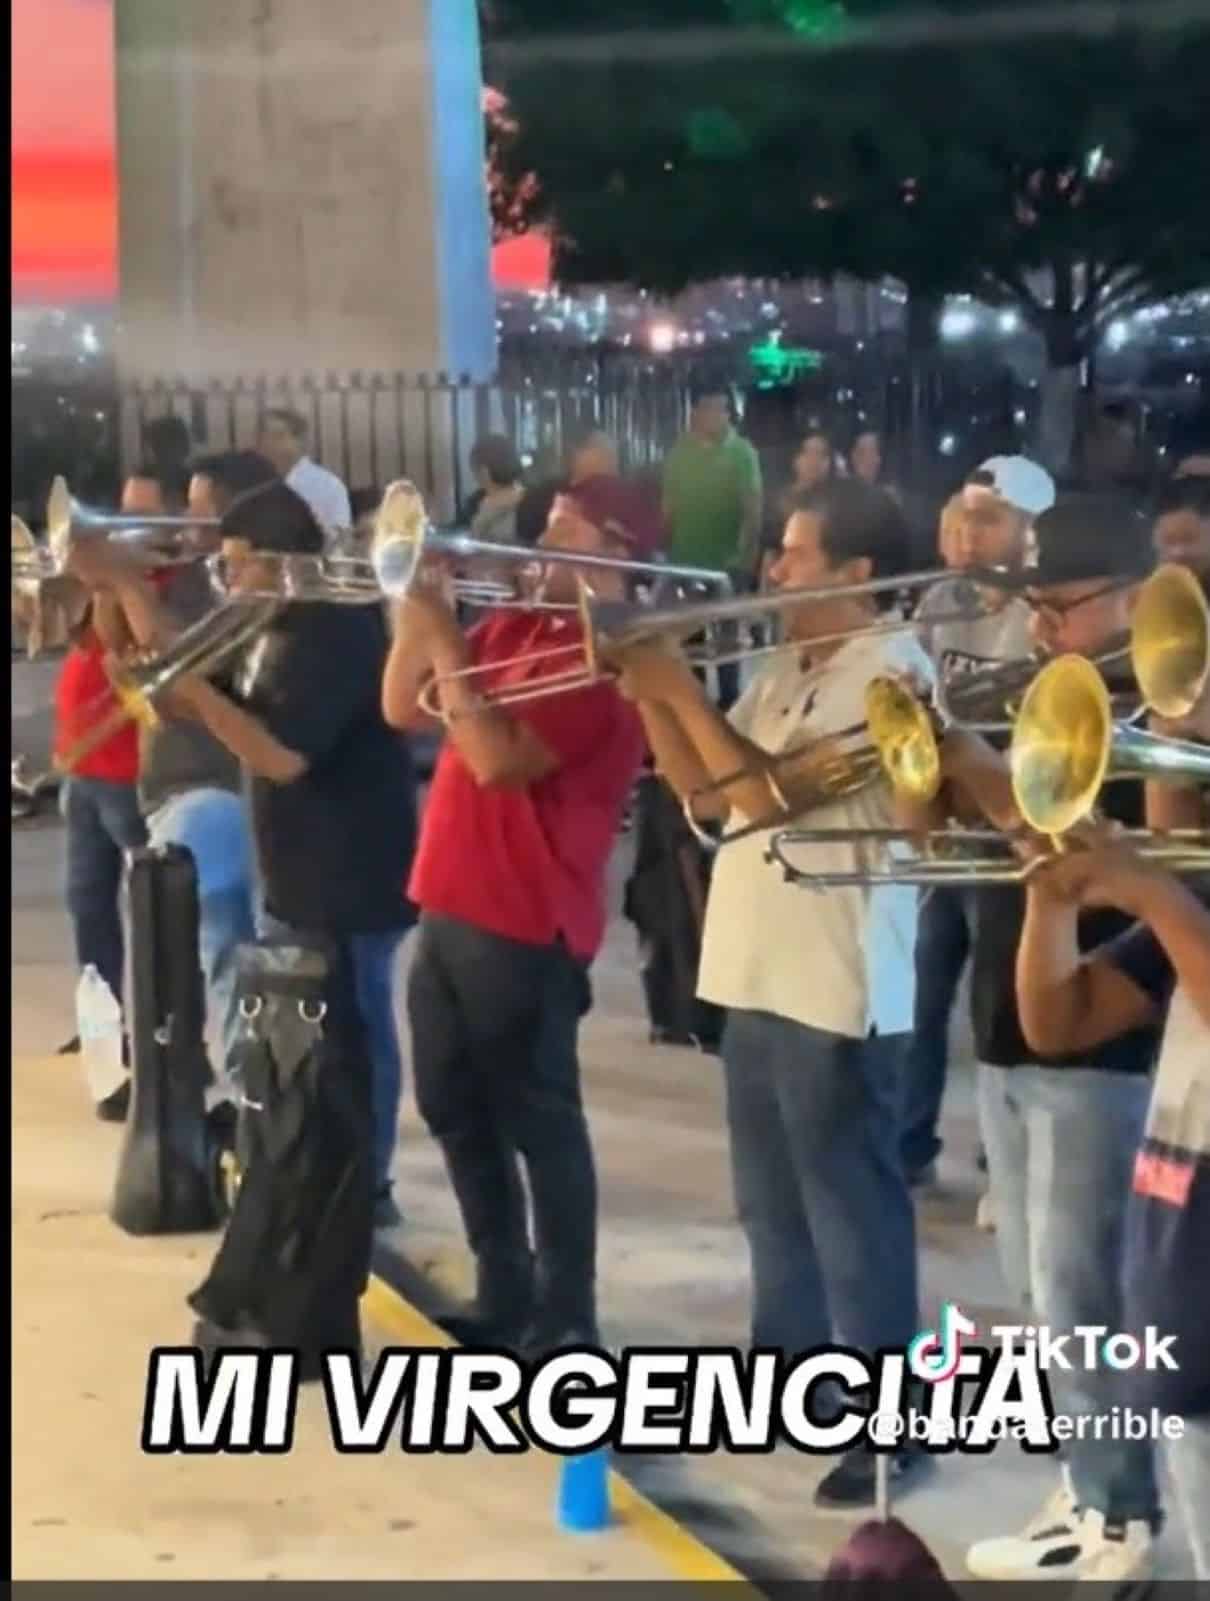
column 985, row 1214
column 537, row 1345
column 1066, row 1542
column 386, row 1214
column 850, row 1486
column 479, row 1333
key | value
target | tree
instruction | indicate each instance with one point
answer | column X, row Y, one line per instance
column 1050, row 159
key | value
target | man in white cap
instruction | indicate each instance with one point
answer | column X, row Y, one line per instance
column 999, row 503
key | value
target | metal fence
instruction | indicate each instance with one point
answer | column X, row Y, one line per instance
column 373, row 427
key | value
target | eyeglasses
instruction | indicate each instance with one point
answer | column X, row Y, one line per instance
column 1061, row 608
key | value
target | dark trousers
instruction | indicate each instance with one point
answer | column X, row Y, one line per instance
column 942, row 946
column 494, row 1025
column 103, row 822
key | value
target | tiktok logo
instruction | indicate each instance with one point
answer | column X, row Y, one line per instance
column 933, row 1356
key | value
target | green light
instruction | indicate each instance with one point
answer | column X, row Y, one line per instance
column 776, row 364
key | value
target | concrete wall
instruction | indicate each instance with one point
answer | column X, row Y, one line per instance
column 301, row 188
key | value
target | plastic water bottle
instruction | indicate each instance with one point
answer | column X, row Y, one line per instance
column 99, row 1022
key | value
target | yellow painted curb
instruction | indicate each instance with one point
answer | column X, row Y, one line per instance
column 683, row 1553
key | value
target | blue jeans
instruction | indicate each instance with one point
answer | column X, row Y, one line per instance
column 213, row 825
column 103, row 821
column 1189, row 1467
column 372, row 959
column 819, row 1186
column 942, row 946
column 1061, row 1143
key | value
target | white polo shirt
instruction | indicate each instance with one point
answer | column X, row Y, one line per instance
column 842, row 960
column 323, row 492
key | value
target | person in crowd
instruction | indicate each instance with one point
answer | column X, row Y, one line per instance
column 283, row 440
column 1061, row 1131
column 500, row 977
column 1156, row 974
column 988, row 524
column 189, row 783
column 811, row 1067
column 866, row 460
column 491, row 512
column 99, row 802
column 167, row 447
column 712, row 492
column 330, row 787
column 593, row 456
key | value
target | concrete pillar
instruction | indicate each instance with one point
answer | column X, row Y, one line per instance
column 302, row 192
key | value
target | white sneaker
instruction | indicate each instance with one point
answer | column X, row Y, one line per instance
column 1066, row 1542
column 985, row 1214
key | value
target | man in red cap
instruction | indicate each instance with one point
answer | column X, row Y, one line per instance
column 509, row 876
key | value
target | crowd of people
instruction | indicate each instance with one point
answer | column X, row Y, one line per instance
column 289, row 779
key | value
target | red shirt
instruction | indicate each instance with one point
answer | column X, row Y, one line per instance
column 83, row 696
column 529, row 864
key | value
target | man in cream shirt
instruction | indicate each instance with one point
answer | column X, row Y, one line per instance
column 819, row 987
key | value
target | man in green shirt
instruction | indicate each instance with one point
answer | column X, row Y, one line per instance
column 712, row 490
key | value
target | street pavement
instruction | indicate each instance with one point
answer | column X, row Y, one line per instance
column 673, row 1271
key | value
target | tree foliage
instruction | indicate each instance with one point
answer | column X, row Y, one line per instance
column 1052, row 156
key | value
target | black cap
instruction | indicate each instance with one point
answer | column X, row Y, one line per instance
column 1090, row 536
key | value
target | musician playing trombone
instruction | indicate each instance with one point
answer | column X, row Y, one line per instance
column 1061, row 1130
column 818, row 989
column 510, row 880
column 1156, row 973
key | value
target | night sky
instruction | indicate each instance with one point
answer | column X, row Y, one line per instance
column 64, row 188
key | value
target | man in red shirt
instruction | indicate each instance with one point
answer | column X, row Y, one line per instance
column 99, row 802
column 509, row 874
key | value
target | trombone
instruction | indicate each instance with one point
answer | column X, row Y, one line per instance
column 66, row 518
column 401, row 540
column 963, row 856
column 1066, row 744
column 609, row 627
column 138, row 685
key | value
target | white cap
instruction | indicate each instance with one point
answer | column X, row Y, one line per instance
column 1017, row 480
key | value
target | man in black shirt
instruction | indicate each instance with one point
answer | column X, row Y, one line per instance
column 331, row 788
column 189, row 785
column 1061, row 1132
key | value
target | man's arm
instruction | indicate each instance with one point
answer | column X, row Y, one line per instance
column 116, row 574
column 245, row 736
column 498, row 748
column 408, row 669
column 1072, row 1003
column 694, row 744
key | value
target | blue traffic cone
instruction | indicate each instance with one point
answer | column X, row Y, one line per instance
column 584, row 1493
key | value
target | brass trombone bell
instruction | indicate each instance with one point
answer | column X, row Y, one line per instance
column 1066, row 745
column 1170, row 641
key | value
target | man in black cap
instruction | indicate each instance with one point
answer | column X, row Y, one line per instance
column 1062, row 1132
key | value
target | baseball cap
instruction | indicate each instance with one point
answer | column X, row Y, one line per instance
column 1090, row 536
column 619, row 509
column 1017, row 480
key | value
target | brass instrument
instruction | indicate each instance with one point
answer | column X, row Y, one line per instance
column 1168, row 652
column 837, row 765
column 204, row 648
column 1066, row 745
column 402, row 538
column 963, row 856
column 610, row 627
column 66, row 519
